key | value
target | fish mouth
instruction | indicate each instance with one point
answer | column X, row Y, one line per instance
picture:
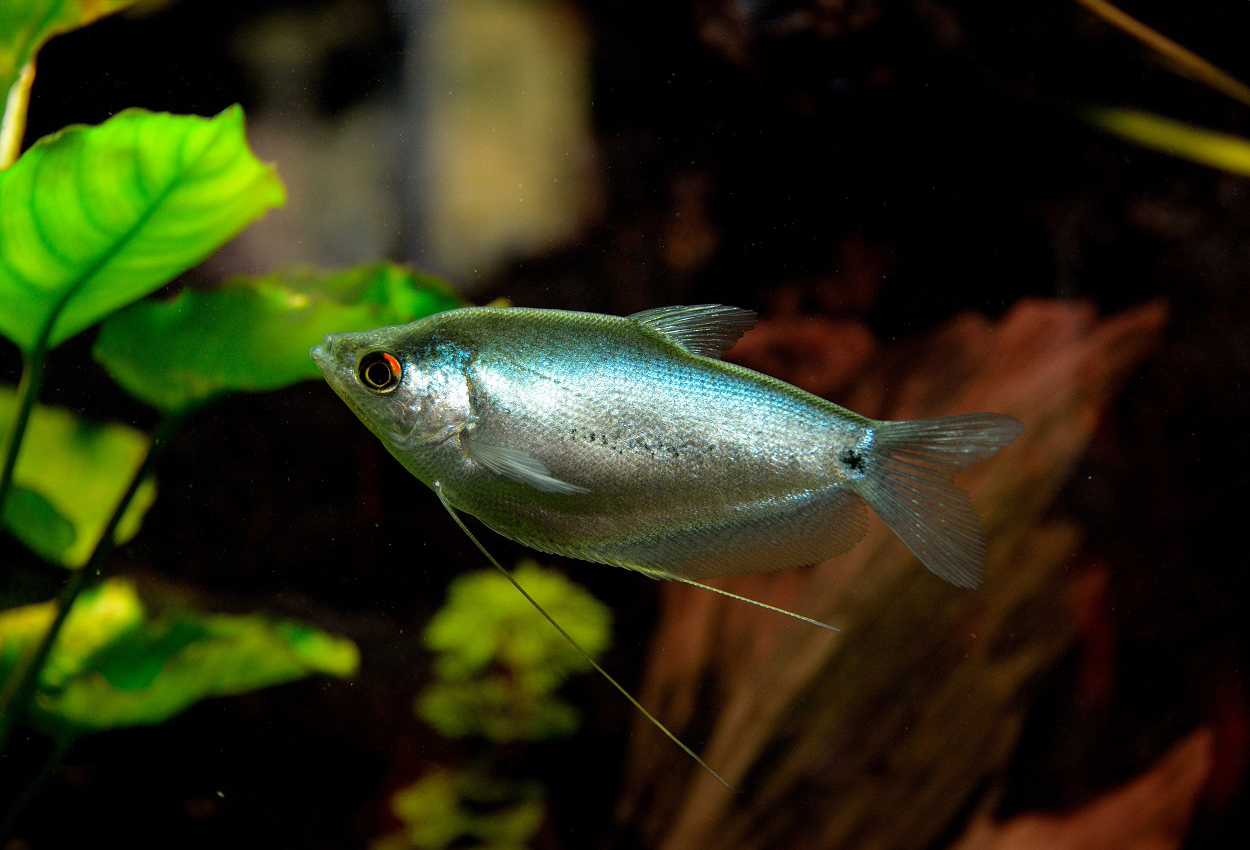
column 322, row 356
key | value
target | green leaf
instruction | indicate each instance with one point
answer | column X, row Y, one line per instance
column 253, row 333
column 118, row 662
column 486, row 622
column 27, row 24
column 496, row 708
column 36, row 522
column 1175, row 138
column 81, row 470
column 499, row 661
column 465, row 809
column 93, row 218
column 433, row 814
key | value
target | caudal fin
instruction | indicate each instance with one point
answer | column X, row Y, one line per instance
column 909, row 482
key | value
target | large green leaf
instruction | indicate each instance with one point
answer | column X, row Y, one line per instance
column 253, row 333
column 119, row 662
column 26, row 24
column 93, row 218
column 81, row 469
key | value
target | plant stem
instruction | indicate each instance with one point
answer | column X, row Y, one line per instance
column 13, row 124
column 18, row 699
column 1190, row 63
column 33, row 360
column 51, row 763
column 28, row 392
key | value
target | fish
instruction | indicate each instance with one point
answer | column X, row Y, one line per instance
column 628, row 441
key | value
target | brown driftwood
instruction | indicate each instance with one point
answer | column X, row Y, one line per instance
column 886, row 734
column 1151, row 812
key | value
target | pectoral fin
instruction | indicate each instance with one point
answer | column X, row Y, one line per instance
column 517, row 465
column 706, row 329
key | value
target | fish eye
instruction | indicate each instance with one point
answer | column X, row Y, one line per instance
column 379, row 371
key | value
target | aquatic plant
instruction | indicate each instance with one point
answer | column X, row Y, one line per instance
column 497, row 669
column 92, row 219
column 498, row 666
column 1225, row 151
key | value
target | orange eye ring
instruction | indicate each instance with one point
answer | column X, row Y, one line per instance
column 379, row 371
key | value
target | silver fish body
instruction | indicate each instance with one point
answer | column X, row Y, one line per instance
column 626, row 441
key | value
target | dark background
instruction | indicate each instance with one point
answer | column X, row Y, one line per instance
column 892, row 162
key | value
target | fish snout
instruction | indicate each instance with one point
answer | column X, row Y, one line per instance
column 323, row 353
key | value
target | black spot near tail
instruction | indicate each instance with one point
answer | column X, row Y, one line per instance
column 852, row 460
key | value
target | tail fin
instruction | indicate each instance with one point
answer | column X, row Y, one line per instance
column 909, row 482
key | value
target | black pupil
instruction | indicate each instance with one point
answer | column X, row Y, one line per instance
column 377, row 372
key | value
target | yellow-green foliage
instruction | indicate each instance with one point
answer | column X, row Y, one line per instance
column 499, row 662
column 121, row 661
column 498, row 665
column 80, row 468
column 464, row 809
column 92, row 220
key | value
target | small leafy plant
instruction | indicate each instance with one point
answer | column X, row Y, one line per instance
column 92, row 219
column 497, row 669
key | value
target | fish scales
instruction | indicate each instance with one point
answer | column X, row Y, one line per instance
column 624, row 440
column 666, row 449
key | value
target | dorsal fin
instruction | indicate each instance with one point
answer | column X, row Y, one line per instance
column 706, row 329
